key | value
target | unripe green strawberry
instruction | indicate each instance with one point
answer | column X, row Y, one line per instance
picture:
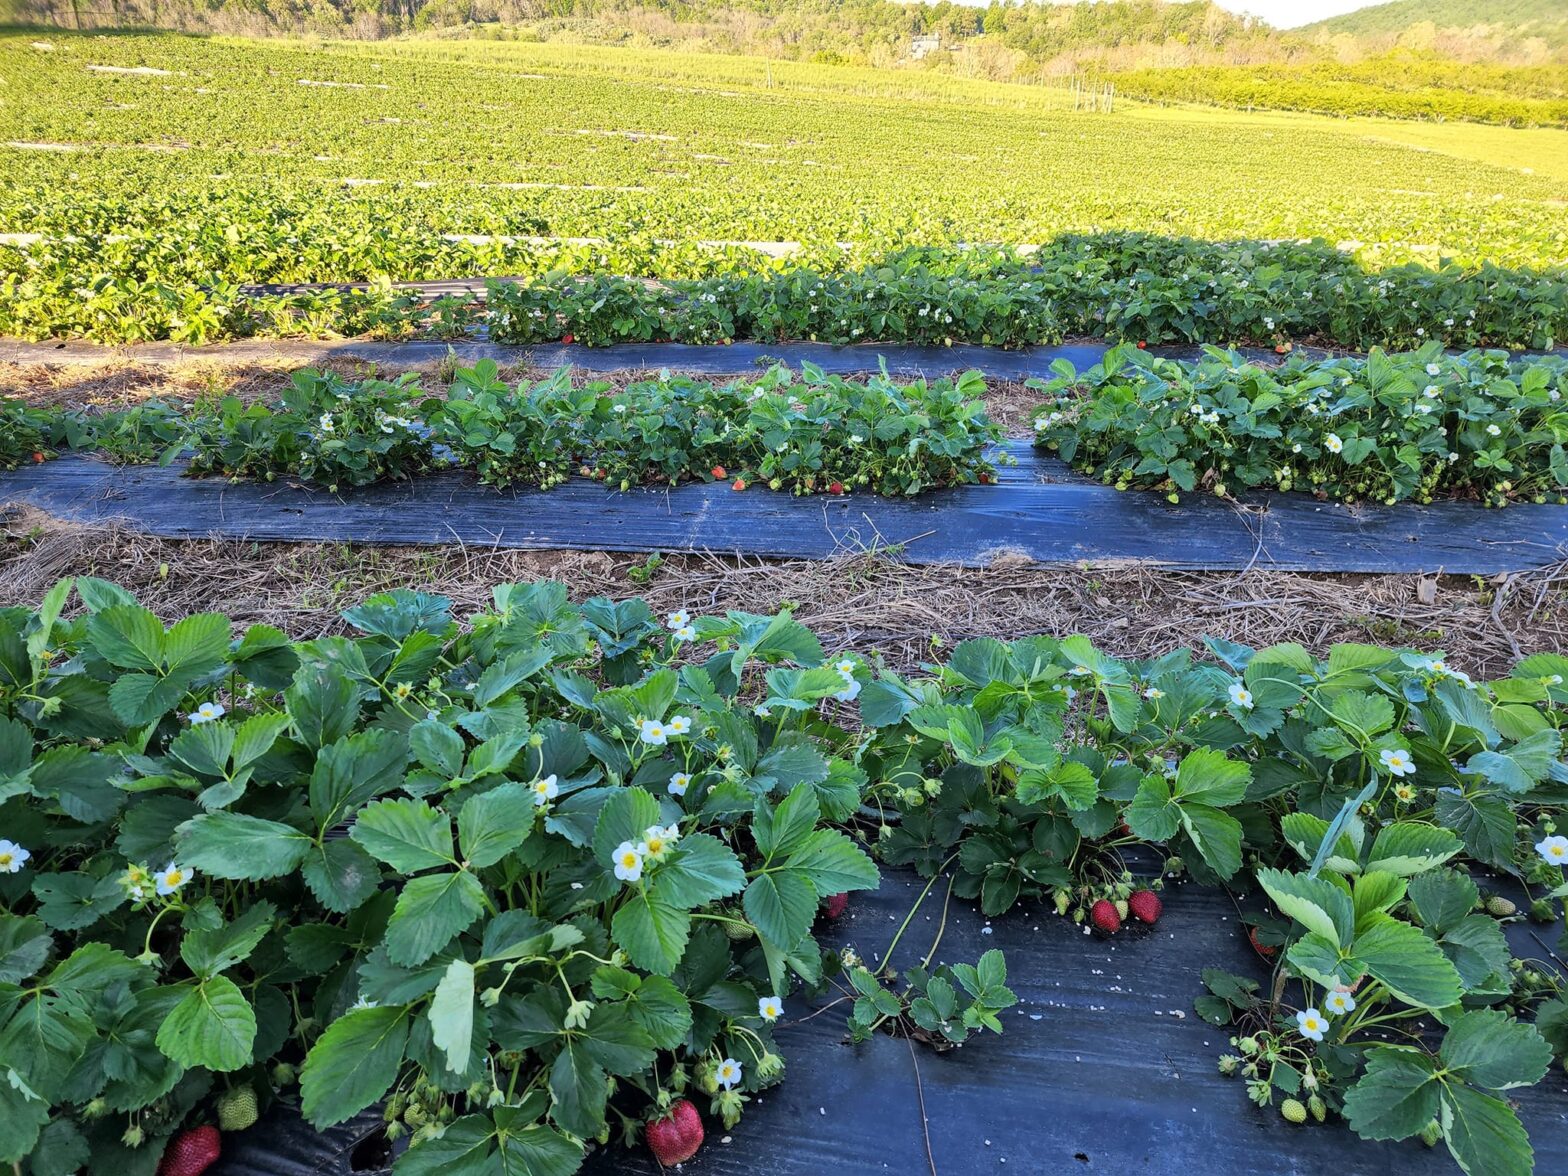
column 237, row 1109
column 1318, row 1108
column 1431, row 1133
column 1293, row 1111
column 1500, row 906
column 738, row 932
column 1541, row 911
column 1121, row 908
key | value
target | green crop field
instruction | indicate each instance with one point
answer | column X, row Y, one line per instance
column 169, row 168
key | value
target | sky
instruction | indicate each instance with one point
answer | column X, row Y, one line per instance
column 1285, row 14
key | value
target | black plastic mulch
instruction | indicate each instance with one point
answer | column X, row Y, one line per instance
column 1039, row 509
column 1103, row 1068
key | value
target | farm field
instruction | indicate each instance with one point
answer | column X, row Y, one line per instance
column 182, row 168
column 585, row 610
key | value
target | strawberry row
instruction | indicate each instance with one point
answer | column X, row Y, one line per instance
column 550, row 873
column 1389, row 428
column 1116, row 286
column 811, row 433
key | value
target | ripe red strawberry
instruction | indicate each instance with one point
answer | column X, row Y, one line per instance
column 190, row 1153
column 835, row 487
column 985, row 478
column 567, row 338
column 1145, row 906
column 1142, row 345
column 1104, row 917
column 38, row 456
column 675, row 1138
column 835, row 905
column 738, row 484
column 1267, row 951
column 718, row 473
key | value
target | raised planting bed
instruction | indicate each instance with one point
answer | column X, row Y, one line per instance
column 1039, row 510
column 912, row 466
column 1103, row 1066
column 728, row 359
column 530, row 876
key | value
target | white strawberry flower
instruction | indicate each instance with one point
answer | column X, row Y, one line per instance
column 1332, row 443
column 679, row 725
column 628, row 862
column 546, row 790
column 1339, row 1002
column 1396, row 761
column 1553, row 850
column 678, row 618
column 207, row 712
column 657, row 840
column 172, row 877
column 1312, row 1024
column 12, row 857
column 1241, row 696
column 727, row 1074
column 1433, row 369
column 770, row 1008
column 651, row 731
column 679, row 783
column 684, row 633
column 1493, row 431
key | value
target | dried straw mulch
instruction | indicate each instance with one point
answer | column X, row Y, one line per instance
column 857, row 601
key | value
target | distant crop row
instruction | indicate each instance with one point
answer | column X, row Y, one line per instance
column 145, row 180
column 1319, row 90
column 1113, row 286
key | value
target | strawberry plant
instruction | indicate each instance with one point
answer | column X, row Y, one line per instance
column 941, row 1007
column 1389, row 428
column 483, row 872
column 524, row 437
column 1354, row 794
column 325, row 429
column 1384, row 938
column 24, row 434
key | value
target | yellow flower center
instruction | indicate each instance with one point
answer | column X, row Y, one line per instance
column 6, row 859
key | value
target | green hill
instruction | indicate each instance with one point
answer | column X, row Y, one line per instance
column 1514, row 21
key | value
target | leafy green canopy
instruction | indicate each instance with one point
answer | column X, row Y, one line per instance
column 1390, row 428
column 396, row 862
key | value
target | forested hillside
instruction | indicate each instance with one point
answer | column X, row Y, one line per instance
column 1523, row 32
